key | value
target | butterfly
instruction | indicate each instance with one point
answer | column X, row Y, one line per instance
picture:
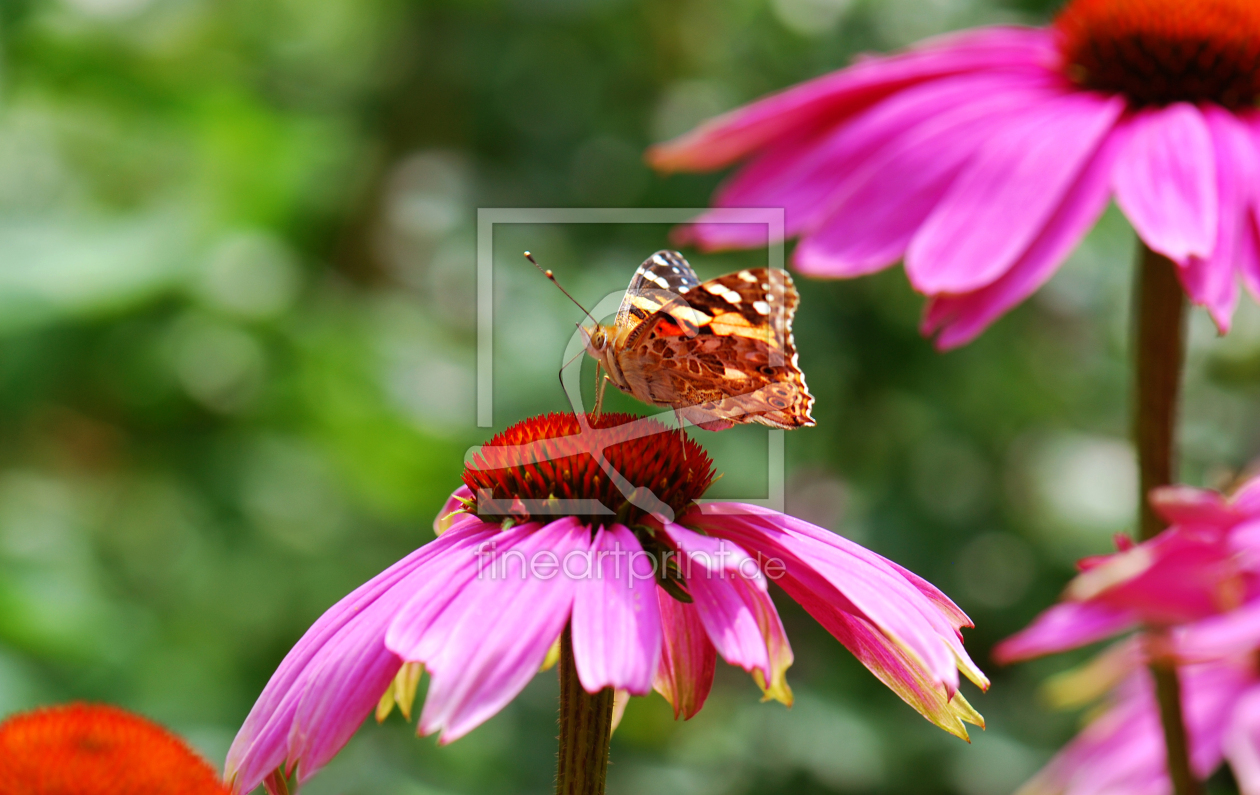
column 719, row 353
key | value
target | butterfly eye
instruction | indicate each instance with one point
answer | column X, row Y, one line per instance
column 598, row 340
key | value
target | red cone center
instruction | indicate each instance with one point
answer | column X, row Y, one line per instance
column 1161, row 51
column 550, row 466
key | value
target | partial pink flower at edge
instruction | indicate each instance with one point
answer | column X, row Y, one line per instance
column 981, row 158
column 1121, row 751
column 1205, row 563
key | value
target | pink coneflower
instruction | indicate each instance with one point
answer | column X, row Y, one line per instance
column 97, row 749
column 981, row 158
column 1206, row 562
column 1122, row 752
column 1122, row 749
column 587, row 529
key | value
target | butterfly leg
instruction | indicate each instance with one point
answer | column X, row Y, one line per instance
column 600, row 382
column 678, row 418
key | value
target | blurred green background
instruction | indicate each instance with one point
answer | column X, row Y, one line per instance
column 237, row 365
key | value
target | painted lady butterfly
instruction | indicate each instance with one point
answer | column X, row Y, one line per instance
column 720, row 352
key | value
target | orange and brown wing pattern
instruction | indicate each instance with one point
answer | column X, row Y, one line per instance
column 721, row 353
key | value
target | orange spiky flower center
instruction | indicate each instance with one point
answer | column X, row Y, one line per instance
column 1161, row 51
column 96, row 749
column 550, row 466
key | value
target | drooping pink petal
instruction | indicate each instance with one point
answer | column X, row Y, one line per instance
column 616, row 620
column 830, row 98
column 1064, row 626
column 264, row 740
column 1000, row 204
column 863, row 213
column 1246, row 498
column 1165, row 181
column 1184, row 505
column 1242, row 742
column 1180, row 575
column 718, row 575
column 1212, row 281
column 887, row 660
column 688, row 658
column 858, row 580
column 961, row 318
column 1230, row 634
column 490, row 639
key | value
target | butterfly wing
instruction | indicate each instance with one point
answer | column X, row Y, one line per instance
column 720, row 353
column 661, row 276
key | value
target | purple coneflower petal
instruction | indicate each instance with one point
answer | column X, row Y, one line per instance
column 850, row 575
column 1242, row 743
column 453, row 511
column 1211, row 281
column 887, row 660
column 1249, row 251
column 616, row 620
column 961, row 318
column 1122, row 751
column 917, row 143
column 263, row 742
column 688, row 658
column 734, row 135
column 494, row 634
column 1165, row 181
column 1185, row 505
column 1001, row 202
column 1065, row 626
column 734, row 607
column 1230, row 634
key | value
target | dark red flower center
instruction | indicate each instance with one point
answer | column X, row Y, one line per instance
column 609, row 468
column 95, row 749
column 1162, row 51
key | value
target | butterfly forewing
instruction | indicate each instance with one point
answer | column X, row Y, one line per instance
column 662, row 277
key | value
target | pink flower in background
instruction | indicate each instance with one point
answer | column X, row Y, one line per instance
column 1206, row 562
column 651, row 587
column 1121, row 752
column 981, row 158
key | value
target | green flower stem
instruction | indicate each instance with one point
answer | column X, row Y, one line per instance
column 585, row 729
column 1159, row 350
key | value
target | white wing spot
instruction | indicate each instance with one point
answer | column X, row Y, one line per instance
column 674, row 268
column 683, row 289
column 765, row 286
column 715, row 289
column 731, row 297
column 748, row 277
column 762, row 307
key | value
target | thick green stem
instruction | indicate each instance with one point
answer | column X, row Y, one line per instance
column 585, row 729
column 1159, row 349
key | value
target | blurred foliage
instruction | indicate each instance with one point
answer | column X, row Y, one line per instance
column 238, row 352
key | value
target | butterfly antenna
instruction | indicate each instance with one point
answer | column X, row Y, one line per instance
column 552, row 276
